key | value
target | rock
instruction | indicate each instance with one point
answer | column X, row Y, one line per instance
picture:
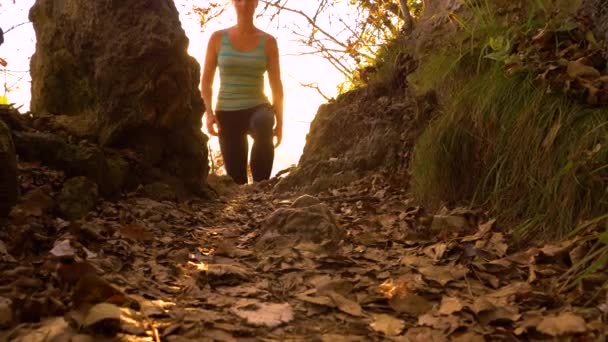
column 124, row 77
column 160, row 192
column 9, row 187
column 222, row 185
column 313, row 226
column 111, row 173
column 339, row 150
column 78, row 196
column 305, row 201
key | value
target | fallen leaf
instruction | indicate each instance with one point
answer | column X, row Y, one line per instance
column 436, row 251
column 53, row 329
column 564, row 324
column 450, row 305
column 102, row 313
column 387, row 325
column 497, row 245
column 518, row 288
column 416, row 261
column 225, row 274
column 578, row 69
column 63, row 249
column 344, row 304
column 342, row 338
column 442, row 323
column 322, row 300
column 468, row 337
column 482, row 231
column 425, row 334
column 530, row 319
column 92, row 289
column 443, row 274
column 263, row 314
column 410, row 303
column 136, row 232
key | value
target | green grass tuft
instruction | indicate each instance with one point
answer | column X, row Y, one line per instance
column 538, row 161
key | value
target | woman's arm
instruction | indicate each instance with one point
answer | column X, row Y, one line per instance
column 207, row 80
column 274, row 77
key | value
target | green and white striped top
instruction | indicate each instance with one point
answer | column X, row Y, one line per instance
column 241, row 76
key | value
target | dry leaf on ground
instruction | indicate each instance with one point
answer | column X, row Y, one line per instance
column 387, row 325
column 344, row 304
column 450, row 305
column 263, row 314
column 443, row 274
column 564, row 324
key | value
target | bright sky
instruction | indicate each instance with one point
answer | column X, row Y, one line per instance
column 301, row 103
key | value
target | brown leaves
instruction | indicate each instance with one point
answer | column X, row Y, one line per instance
column 571, row 64
column 388, row 325
column 563, row 324
column 443, row 274
column 450, row 305
column 388, row 276
column 263, row 314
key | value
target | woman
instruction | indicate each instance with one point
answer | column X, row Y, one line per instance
column 243, row 54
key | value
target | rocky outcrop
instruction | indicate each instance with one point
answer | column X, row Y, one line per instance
column 367, row 129
column 119, row 72
column 111, row 173
column 9, row 187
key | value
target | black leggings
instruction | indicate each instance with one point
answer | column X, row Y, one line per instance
column 234, row 127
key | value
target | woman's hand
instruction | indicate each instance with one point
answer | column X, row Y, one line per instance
column 212, row 123
column 278, row 132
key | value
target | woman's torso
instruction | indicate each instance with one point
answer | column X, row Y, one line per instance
column 242, row 66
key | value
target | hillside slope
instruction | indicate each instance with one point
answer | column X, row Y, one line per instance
column 504, row 104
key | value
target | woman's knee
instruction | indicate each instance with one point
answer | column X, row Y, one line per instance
column 262, row 121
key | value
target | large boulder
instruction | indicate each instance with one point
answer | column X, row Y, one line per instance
column 119, row 72
column 9, row 187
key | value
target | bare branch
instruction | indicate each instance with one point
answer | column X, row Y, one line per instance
column 315, row 86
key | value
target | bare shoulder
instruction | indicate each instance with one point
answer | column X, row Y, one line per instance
column 216, row 36
column 215, row 40
column 271, row 41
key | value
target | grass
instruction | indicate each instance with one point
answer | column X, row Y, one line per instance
column 537, row 161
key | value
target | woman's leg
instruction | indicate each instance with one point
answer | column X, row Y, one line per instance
column 233, row 143
column 261, row 126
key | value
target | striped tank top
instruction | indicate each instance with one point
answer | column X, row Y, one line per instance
column 241, row 76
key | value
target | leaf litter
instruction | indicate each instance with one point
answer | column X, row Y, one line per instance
column 250, row 266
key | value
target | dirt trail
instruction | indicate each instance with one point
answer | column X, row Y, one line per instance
column 358, row 264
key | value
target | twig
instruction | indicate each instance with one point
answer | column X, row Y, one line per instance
column 349, row 199
column 14, row 27
column 155, row 333
column 315, row 86
column 466, row 279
